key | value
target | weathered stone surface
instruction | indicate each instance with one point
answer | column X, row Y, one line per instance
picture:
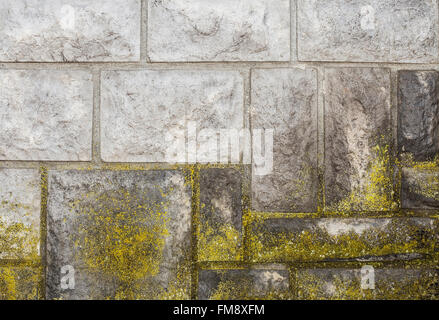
column 243, row 284
column 127, row 234
column 228, row 30
column 418, row 131
column 343, row 239
column 390, row 284
column 146, row 115
column 220, row 225
column 373, row 30
column 358, row 140
column 19, row 283
column 45, row 115
column 285, row 100
column 69, row 30
column 420, row 189
column 19, row 213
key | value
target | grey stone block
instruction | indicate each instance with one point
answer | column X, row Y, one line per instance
column 20, row 203
column 419, row 189
column 285, row 100
column 418, row 131
column 46, row 115
column 69, row 30
column 228, row 30
column 365, row 31
column 127, row 234
column 358, row 140
column 147, row 115
column 220, row 225
column 243, row 284
column 20, row 283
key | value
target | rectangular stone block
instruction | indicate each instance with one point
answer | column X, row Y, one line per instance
column 358, row 140
column 220, row 225
column 20, row 201
column 168, row 115
column 284, row 101
column 209, row 30
column 46, row 115
column 342, row 239
column 420, row 188
column 346, row 284
column 244, row 284
column 20, row 283
column 121, row 234
column 418, row 130
column 69, row 30
column 366, row 31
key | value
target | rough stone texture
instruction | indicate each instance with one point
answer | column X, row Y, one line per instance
column 45, row 115
column 145, row 114
column 210, row 30
column 368, row 30
column 420, row 189
column 390, row 284
column 19, row 283
column 342, row 239
column 19, row 213
column 418, row 131
column 69, row 30
column 126, row 233
column 358, row 139
column 220, row 227
column 285, row 100
column 241, row 284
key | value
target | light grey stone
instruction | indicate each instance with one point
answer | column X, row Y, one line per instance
column 127, row 234
column 46, row 115
column 69, row 30
column 368, row 30
column 145, row 115
column 20, row 202
column 358, row 140
column 243, row 284
column 210, row 30
column 285, row 100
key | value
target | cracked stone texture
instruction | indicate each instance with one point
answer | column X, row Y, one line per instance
column 147, row 211
column 69, row 30
column 285, row 100
column 418, row 131
column 19, row 213
column 145, row 114
column 241, row 284
column 220, row 215
column 46, row 115
column 420, row 189
column 342, row 239
column 19, row 283
column 357, row 120
column 390, row 284
column 210, row 30
column 368, row 30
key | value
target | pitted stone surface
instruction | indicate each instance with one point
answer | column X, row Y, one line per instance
column 210, row 30
column 146, row 115
column 46, row 115
column 418, row 131
column 69, row 30
column 420, row 189
column 392, row 284
column 127, row 234
column 20, row 283
column 242, row 284
column 19, row 213
column 285, row 100
column 220, row 233
column 372, row 30
column 358, row 139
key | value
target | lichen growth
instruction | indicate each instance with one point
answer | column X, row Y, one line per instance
column 18, row 285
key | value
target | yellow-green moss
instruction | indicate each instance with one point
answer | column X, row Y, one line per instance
column 18, row 285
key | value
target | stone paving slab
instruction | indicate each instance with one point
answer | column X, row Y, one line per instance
column 20, row 283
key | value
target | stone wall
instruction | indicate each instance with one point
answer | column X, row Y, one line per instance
column 99, row 98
